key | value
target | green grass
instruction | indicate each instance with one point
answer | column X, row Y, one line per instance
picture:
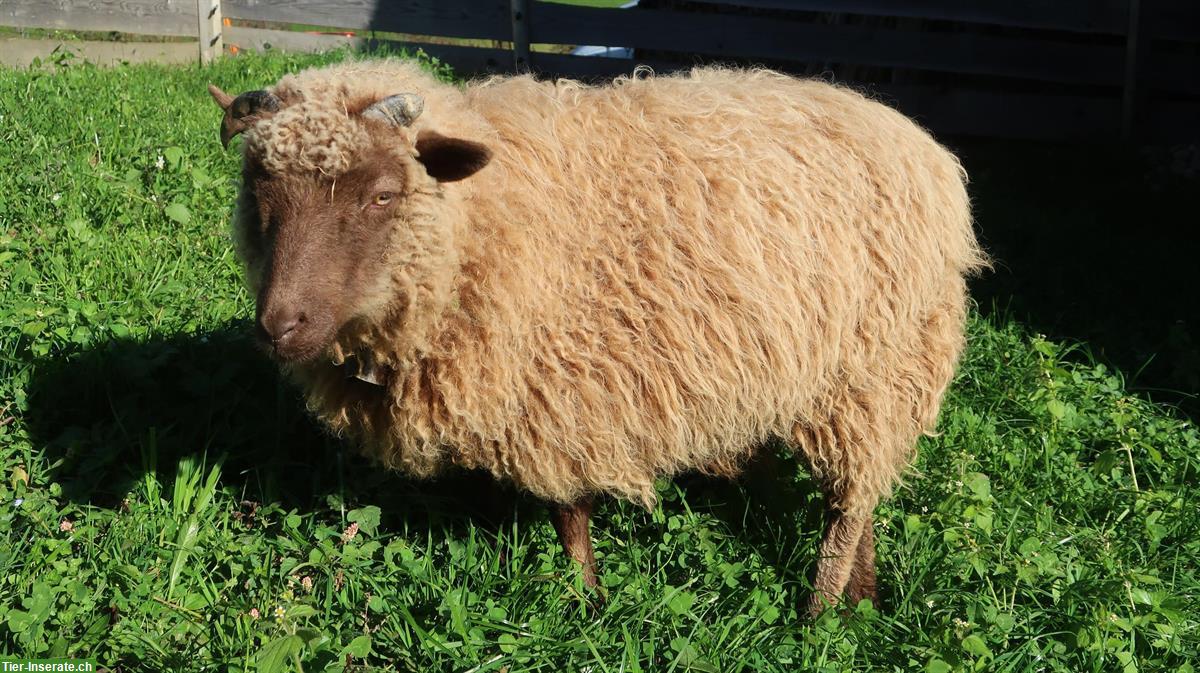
column 166, row 506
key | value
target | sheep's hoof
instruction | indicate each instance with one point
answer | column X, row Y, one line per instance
column 855, row 593
column 818, row 603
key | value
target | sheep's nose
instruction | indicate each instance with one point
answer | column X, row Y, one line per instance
column 280, row 327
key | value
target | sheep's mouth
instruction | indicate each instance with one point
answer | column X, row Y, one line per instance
column 292, row 355
column 306, row 349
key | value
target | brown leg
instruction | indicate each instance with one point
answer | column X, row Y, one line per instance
column 862, row 577
column 572, row 523
column 837, row 561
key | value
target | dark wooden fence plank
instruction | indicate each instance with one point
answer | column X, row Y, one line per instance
column 1172, row 122
column 142, row 17
column 1006, row 115
column 1171, row 72
column 1084, row 16
column 1171, row 20
column 469, row 61
column 593, row 67
column 484, row 19
column 753, row 37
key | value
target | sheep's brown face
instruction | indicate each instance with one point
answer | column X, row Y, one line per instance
column 319, row 242
column 316, row 244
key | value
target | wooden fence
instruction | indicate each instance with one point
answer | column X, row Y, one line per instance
column 1054, row 69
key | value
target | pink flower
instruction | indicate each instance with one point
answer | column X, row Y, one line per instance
column 307, row 583
column 349, row 533
column 254, row 614
column 66, row 526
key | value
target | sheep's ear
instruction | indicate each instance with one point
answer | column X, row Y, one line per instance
column 449, row 159
column 242, row 111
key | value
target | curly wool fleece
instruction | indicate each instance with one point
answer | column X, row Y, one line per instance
column 309, row 137
column 317, row 129
column 651, row 276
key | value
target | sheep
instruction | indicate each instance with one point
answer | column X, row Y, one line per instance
column 582, row 289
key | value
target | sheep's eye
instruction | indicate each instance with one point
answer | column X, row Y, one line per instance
column 383, row 198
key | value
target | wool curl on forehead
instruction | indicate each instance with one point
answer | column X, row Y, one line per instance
column 312, row 136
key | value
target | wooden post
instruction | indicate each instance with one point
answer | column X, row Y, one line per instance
column 208, row 32
column 520, row 34
column 1129, row 94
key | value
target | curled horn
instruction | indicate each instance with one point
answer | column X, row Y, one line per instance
column 242, row 111
column 400, row 110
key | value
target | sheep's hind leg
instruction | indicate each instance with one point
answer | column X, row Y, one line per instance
column 572, row 522
column 862, row 576
column 838, row 561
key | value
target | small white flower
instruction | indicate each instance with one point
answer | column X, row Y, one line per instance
column 929, row 602
column 18, row 502
column 55, row 198
column 159, row 163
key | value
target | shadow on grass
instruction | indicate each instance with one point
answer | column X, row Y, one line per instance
column 1096, row 244
column 774, row 507
column 112, row 415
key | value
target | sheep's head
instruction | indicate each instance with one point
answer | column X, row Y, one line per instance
column 329, row 208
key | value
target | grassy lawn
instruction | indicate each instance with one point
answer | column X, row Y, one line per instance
column 166, row 506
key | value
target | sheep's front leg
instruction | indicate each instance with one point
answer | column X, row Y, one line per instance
column 572, row 522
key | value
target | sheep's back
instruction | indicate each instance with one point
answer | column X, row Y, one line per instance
column 692, row 265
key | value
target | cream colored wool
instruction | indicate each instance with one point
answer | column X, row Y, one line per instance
column 649, row 277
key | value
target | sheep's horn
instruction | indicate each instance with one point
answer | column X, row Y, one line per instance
column 223, row 99
column 240, row 112
column 400, row 110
